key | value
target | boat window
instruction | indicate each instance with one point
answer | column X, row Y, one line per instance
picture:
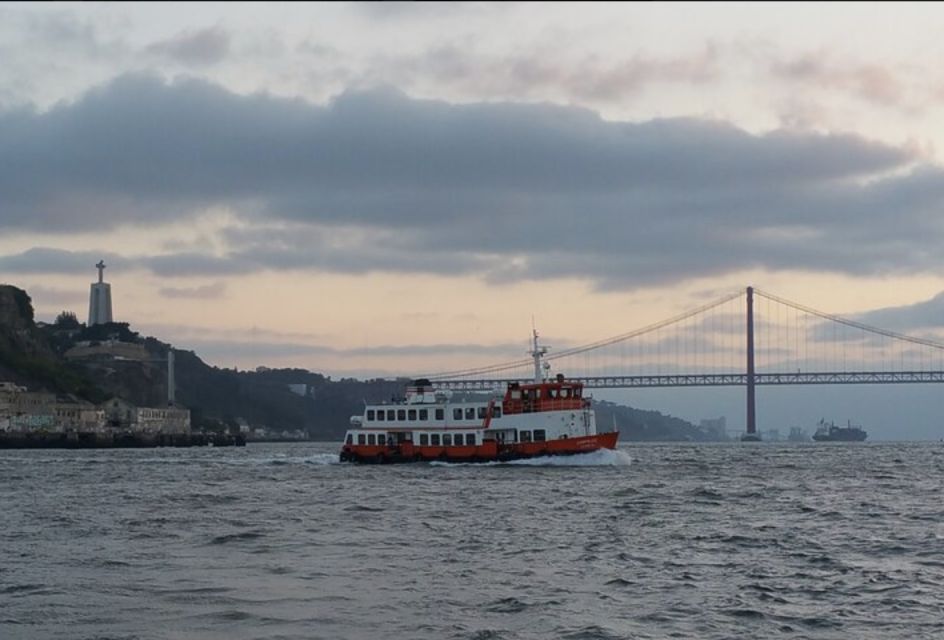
column 537, row 394
column 496, row 411
column 516, row 395
column 434, row 439
column 361, row 438
column 370, row 439
column 370, row 414
column 447, row 439
column 540, row 435
column 390, row 414
column 424, row 414
column 577, row 393
column 401, row 414
column 411, row 414
column 424, row 439
column 470, row 413
column 524, row 436
column 349, row 439
column 457, row 414
column 482, row 413
column 552, row 393
column 440, row 414
column 380, row 415
column 470, row 439
column 565, row 392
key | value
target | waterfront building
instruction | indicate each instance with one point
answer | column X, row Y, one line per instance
column 167, row 420
column 120, row 413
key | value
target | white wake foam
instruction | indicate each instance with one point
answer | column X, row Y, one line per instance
column 598, row 458
column 323, row 458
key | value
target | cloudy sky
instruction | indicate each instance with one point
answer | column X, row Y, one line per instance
column 368, row 188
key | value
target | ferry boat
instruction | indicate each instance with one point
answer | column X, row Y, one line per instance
column 544, row 417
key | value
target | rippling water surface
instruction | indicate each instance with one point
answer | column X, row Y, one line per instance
column 656, row 541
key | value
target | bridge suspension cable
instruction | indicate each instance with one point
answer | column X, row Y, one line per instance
column 794, row 344
column 851, row 323
column 573, row 351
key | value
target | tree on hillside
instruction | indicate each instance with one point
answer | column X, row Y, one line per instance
column 67, row 320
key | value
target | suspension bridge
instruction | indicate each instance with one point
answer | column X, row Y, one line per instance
column 749, row 338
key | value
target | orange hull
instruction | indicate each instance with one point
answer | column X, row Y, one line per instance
column 489, row 451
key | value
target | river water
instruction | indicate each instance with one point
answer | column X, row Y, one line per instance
column 651, row 541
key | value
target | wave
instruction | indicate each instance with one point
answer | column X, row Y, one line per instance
column 284, row 460
column 236, row 537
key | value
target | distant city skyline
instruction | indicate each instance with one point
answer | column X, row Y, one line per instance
column 378, row 189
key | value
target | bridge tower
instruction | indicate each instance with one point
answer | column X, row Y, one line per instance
column 751, row 407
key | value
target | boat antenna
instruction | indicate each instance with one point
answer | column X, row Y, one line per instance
column 537, row 352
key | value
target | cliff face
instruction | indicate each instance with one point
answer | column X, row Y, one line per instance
column 17, row 329
column 27, row 356
column 23, row 348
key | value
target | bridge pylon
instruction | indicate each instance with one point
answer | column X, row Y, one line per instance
column 751, row 434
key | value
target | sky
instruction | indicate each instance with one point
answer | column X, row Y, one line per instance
column 389, row 188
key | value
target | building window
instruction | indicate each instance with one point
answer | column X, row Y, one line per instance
column 401, row 414
column 539, row 435
column 361, row 438
column 470, row 413
column 470, row 439
column 440, row 414
column 390, row 414
column 524, row 436
column 424, row 439
column 380, row 415
column 370, row 439
column 434, row 439
column 482, row 413
column 370, row 415
column 424, row 414
column 411, row 414
column 447, row 439
column 457, row 414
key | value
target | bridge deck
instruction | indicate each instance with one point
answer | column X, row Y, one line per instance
column 718, row 380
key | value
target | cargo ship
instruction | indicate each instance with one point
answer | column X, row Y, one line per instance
column 541, row 417
column 830, row 432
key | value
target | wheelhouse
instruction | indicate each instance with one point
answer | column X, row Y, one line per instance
column 557, row 395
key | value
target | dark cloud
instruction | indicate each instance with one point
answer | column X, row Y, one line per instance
column 41, row 260
column 928, row 314
column 378, row 181
column 194, row 47
column 206, row 292
column 261, row 351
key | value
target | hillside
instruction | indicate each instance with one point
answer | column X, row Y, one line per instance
column 103, row 361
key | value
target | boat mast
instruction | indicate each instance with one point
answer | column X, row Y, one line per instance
column 537, row 352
